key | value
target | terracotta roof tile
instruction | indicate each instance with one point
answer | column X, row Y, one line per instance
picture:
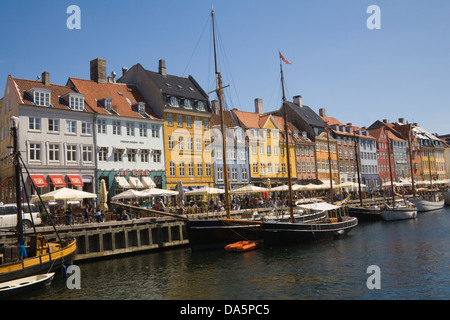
column 125, row 97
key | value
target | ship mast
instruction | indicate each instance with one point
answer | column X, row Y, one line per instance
column 18, row 175
column 286, row 139
column 390, row 170
column 330, row 163
column 219, row 91
column 410, row 162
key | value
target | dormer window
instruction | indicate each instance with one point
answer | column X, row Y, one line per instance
column 187, row 104
column 200, row 106
column 76, row 101
column 41, row 97
column 108, row 104
column 141, row 108
column 173, row 101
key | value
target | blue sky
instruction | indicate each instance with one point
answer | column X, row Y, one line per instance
column 358, row 75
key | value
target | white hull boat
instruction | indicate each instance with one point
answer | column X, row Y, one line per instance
column 425, row 205
column 26, row 284
column 399, row 213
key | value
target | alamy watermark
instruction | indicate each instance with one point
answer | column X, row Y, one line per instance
column 374, row 21
column 73, row 277
column 374, row 280
column 74, row 20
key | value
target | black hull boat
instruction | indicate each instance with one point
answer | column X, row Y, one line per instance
column 217, row 233
column 366, row 214
column 280, row 233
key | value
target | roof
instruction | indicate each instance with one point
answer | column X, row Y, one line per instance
column 247, row 119
column 307, row 114
column 228, row 120
column 334, row 122
column 57, row 91
column 125, row 97
column 178, row 86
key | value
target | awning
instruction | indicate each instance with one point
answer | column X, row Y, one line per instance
column 75, row 180
column 148, row 182
column 39, row 180
column 135, row 182
column 57, row 180
column 4, row 183
column 122, row 182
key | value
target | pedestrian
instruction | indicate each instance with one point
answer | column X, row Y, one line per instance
column 211, row 205
column 160, row 205
column 69, row 216
column 98, row 215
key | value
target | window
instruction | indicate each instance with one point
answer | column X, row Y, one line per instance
column 53, row 125
column 269, row 168
column 141, row 108
column 254, row 149
column 142, row 129
column 145, row 155
column 199, row 169
column 244, row 174
column 182, row 169
column 261, row 148
column 220, row 173
column 131, row 154
column 179, row 120
column 187, row 104
column 205, row 123
column 170, row 119
column 35, row 151
column 117, row 128
column 130, row 128
column 198, row 123
column 71, row 153
column 87, row 153
column 198, row 144
column 172, row 169
column 102, row 154
column 76, row 102
column 42, row 98
column 71, row 127
column 171, row 142
column 173, row 102
column 53, row 152
column 180, row 143
column 208, row 169
column 118, row 154
column 263, row 168
column 191, row 169
column 34, row 124
column 200, row 106
column 101, row 126
column 277, row 168
column 108, row 104
column 86, row 128
column 207, row 145
column 234, row 174
column 155, row 131
column 156, row 155
column 255, row 167
column 188, row 122
column 269, row 150
column 283, row 167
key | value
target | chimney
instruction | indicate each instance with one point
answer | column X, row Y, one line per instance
column 98, row 70
column 401, row 120
column 46, row 78
column 322, row 112
column 162, row 67
column 215, row 106
column 385, row 121
column 298, row 101
column 124, row 70
column 258, row 106
column 304, row 135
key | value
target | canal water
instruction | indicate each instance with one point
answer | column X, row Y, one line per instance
column 412, row 256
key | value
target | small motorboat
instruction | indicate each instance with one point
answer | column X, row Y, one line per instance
column 242, row 246
column 26, row 284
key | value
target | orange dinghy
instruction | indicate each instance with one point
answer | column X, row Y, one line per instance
column 242, row 246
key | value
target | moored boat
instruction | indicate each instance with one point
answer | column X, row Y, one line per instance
column 23, row 285
column 428, row 200
column 366, row 213
column 399, row 213
column 242, row 246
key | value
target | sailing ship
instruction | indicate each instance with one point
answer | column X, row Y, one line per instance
column 292, row 232
column 38, row 255
column 398, row 210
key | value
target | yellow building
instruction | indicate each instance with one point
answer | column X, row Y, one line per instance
column 267, row 150
column 326, row 148
column 187, row 113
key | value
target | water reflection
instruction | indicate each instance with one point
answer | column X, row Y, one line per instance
column 412, row 255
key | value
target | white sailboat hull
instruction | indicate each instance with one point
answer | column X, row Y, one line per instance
column 425, row 205
column 399, row 214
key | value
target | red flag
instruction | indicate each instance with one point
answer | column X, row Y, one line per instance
column 282, row 58
column 326, row 128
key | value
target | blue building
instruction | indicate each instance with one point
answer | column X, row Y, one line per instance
column 236, row 149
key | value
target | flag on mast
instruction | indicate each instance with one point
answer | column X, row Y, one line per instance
column 282, row 58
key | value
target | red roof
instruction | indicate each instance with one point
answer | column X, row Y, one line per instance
column 125, row 97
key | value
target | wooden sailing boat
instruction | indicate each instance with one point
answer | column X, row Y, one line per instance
column 38, row 256
column 217, row 233
column 397, row 211
column 276, row 233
